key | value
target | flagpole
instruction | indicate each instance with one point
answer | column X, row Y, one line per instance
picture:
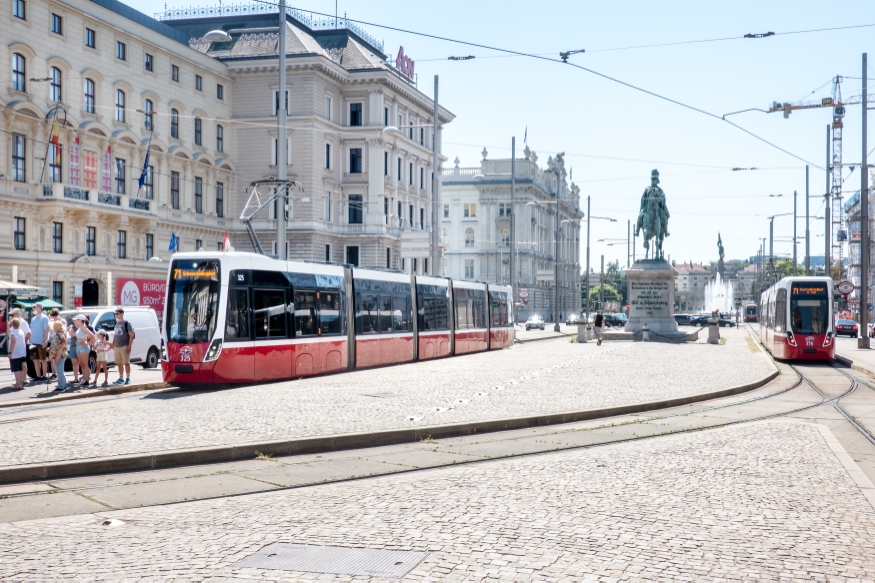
column 142, row 179
column 49, row 143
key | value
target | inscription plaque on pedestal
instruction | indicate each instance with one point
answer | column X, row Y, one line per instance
column 651, row 297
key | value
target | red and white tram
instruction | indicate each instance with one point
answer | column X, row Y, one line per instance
column 243, row 317
column 796, row 319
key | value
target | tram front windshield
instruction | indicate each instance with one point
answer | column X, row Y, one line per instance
column 192, row 300
column 809, row 308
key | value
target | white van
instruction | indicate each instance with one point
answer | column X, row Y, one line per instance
column 146, row 349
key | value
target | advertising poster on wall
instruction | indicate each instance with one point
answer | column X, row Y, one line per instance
column 141, row 292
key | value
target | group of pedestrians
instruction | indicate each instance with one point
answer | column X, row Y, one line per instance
column 51, row 340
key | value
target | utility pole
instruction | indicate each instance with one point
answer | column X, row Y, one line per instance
column 587, row 260
column 772, row 247
column 827, row 217
column 628, row 241
column 282, row 204
column 807, row 229
column 556, row 250
column 513, row 289
column 602, row 286
column 435, row 193
column 794, row 233
column 863, row 339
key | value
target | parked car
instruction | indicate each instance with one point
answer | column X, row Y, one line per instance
column 146, row 349
column 573, row 319
column 726, row 321
column 699, row 320
column 847, row 328
column 682, row 319
column 535, row 321
column 615, row 320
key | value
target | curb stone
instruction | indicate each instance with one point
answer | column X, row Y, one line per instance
column 308, row 445
column 120, row 390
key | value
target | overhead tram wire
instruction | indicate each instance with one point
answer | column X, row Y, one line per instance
column 591, row 71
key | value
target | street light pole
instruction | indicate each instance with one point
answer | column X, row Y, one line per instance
column 826, row 215
column 772, row 246
column 602, row 286
column 807, row 229
column 863, row 339
column 281, row 154
column 513, row 284
column 587, row 259
column 556, row 251
column 794, row 233
column 628, row 240
column 435, row 193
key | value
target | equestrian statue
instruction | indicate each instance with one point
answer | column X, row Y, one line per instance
column 653, row 218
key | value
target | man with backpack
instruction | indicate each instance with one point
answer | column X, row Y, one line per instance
column 122, row 339
column 597, row 325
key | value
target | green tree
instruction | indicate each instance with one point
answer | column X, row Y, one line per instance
column 611, row 295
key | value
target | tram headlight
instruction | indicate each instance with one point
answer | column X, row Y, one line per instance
column 163, row 351
column 828, row 340
column 214, row 351
column 791, row 340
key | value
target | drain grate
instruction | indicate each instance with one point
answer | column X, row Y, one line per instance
column 333, row 560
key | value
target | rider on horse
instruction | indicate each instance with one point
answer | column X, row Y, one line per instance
column 653, row 216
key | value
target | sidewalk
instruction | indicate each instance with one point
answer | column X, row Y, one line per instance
column 858, row 359
column 41, row 393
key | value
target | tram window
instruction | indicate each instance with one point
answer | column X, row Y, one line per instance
column 305, row 313
column 329, row 312
column 270, row 313
column 499, row 309
column 441, row 311
column 385, row 314
column 426, row 313
column 781, row 310
column 366, row 314
column 479, row 319
column 401, row 314
column 237, row 327
column 464, row 316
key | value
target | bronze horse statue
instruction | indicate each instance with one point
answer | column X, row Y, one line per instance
column 653, row 218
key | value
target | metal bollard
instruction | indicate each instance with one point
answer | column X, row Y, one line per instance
column 581, row 332
column 713, row 331
column 645, row 333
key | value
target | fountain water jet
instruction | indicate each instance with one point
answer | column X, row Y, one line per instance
column 719, row 295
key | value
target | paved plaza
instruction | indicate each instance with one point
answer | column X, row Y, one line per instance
column 768, row 500
column 550, row 376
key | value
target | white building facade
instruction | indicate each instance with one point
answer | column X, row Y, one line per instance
column 362, row 195
column 476, row 218
column 118, row 84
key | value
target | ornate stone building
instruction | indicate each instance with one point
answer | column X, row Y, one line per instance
column 476, row 222
column 118, row 84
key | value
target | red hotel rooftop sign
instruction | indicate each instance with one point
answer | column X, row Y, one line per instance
column 404, row 63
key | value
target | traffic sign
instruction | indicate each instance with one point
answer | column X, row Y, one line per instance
column 523, row 294
column 846, row 287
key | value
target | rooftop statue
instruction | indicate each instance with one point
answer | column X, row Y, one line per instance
column 653, row 218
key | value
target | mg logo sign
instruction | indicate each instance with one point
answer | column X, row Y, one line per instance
column 130, row 294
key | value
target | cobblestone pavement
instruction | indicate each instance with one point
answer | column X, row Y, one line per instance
column 768, row 500
column 537, row 378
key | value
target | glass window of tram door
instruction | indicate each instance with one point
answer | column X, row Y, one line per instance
column 237, row 318
column 270, row 313
column 809, row 308
column 192, row 300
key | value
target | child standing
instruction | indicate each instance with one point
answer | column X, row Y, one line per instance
column 101, row 347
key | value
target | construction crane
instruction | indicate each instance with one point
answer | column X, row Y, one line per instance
column 838, row 106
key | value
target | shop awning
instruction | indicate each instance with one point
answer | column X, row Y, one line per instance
column 47, row 304
column 10, row 287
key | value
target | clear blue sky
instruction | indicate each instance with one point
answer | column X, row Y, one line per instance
column 495, row 97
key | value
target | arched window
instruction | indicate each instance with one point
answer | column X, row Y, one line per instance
column 174, row 124
column 469, row 237
column 119, row 106
column 220, row 139
column 55, row 86
column 148, row 113
column 89, row 96
column 505, row 236
column 18, row 72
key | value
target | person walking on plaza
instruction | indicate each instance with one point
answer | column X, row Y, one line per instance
column 54, row 316
column 101, row 347
column 17, row 353
column 597, row 325
column 122, row 340
column 39, row 338
column 84, row 342
column 59, row 352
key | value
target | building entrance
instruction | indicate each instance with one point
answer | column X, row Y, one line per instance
column 90, row 293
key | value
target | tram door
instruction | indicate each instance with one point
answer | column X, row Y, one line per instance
column 272, row 354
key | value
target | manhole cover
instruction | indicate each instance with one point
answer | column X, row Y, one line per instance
column 333, row 560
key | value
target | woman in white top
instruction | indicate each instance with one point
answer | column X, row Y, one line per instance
column 17, row 353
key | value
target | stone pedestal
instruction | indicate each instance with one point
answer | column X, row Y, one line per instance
column 651, row 298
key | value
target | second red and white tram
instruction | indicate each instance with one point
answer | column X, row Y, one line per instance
column 243, row 317
column 796, row 319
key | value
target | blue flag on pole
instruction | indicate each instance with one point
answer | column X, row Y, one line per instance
column 174, row 242
column 142, row 180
